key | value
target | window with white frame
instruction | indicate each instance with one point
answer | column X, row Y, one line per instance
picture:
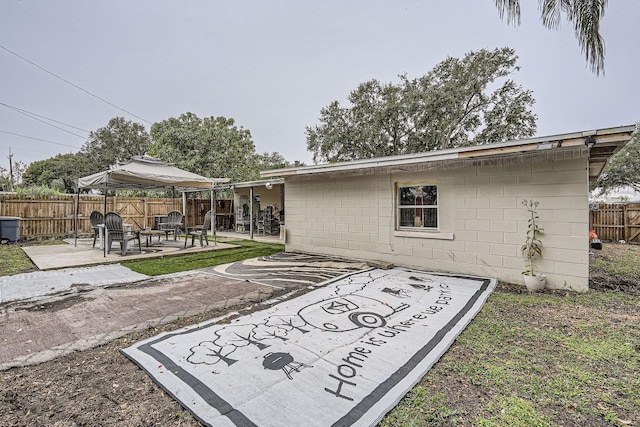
column 417, row 207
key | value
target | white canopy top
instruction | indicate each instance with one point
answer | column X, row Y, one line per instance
column 146, row 172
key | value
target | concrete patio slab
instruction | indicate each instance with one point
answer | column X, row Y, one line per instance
column 47, row 257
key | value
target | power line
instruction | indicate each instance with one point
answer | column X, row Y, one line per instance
column 72, row 84
column 30, row 115
column 44, row 117
column 38, row 139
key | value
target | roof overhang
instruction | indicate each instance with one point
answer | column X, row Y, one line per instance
column 554, row 147
column 249, row 184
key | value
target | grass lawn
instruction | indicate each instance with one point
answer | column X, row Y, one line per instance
column 13, row 260
column 536, row 360
column 248, row 249
column 546, row 359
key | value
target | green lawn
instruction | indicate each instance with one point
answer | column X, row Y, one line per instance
column 248, row 249
column 536, row 360
column 13, row 260
column 546, row 359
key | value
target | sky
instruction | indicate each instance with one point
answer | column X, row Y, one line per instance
column 272, row 65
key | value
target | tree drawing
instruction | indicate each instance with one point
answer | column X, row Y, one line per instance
column 288, row 322
column 207, row 353
column 265, row 332
column 239, row 336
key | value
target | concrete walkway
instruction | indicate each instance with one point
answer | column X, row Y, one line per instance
column 40, row 283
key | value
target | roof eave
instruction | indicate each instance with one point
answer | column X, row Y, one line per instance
column 248, row 184
column 616, row 136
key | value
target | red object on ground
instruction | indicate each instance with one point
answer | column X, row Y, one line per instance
column 592, row 234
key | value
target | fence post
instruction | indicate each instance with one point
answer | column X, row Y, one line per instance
column 625, row 223
column 145, row 211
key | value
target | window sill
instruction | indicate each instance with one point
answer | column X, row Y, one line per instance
column 424, row 234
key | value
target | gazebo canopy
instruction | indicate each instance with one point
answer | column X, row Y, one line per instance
column 145, row 172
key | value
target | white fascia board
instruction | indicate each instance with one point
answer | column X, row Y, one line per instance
column 439, row 155
column 248, row 184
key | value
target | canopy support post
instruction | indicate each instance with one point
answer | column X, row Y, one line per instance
column 184, row 209
column 106, row 234
column 251, row 212
column 214, row 215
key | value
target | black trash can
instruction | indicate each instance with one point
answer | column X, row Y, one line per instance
column 9, row 229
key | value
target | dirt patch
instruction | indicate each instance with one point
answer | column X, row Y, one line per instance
column 53, row 305
column 602, row 280
column 97, row 387
column 147, row 283
column 100, row 386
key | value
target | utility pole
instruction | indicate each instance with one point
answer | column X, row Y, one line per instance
column 10, row 170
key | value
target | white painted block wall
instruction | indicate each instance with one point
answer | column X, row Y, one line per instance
column 354, row 217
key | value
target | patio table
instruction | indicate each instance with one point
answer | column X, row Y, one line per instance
column 148, row 234
column 167, row 227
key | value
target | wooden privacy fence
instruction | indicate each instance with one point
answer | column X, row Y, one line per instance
column 54, row 216
column 615, row 222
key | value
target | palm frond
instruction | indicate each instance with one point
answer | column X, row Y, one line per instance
column 585, row 16
column 551, row 12
column 509, row 9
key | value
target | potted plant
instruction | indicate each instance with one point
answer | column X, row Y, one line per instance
column 532, row 248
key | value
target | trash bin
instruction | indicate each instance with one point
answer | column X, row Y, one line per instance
column 9, row 229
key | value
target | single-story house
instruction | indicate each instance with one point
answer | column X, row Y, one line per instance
column 457, row 210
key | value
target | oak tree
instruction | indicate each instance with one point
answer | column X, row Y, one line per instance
column 212, row 146
column 460, row 102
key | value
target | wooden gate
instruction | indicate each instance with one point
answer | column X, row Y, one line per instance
column 615, row 222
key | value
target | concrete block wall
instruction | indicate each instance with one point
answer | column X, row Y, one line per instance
column 482, row 222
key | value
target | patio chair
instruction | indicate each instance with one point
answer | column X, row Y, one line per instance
column 174, row 221
column 117, row 233
column 96, row 219
column 199, row 231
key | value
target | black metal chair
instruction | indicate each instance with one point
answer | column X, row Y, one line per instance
column 199, row 231
column 117, row 233
column 96, row 219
